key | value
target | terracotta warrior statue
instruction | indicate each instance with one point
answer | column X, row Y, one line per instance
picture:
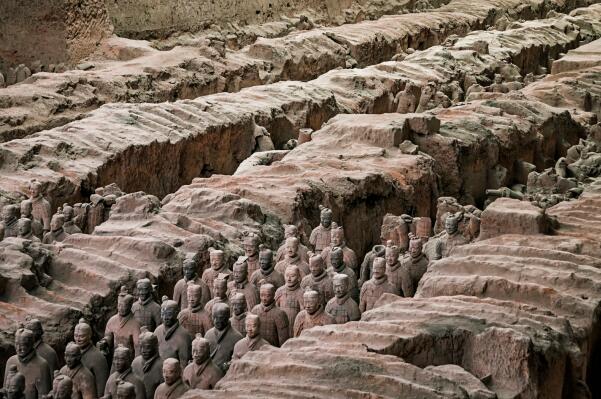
column 377, row 286
column 123, row 328
column 253, row 340
column 180, row 290
column 342, row 308
column 415, row 262
column 27, row 212
column 222, row 337
column 318, row 280
column 91, row 357
column 274, row 321
column 368, row 261
column 173, row 387
column 218, row 266
column 219, row 294
column 62, row 388
column 56, row 233
column 83, row 381
column 338, row 266
column 240, row 283
column 267, row 273
column 145, row 309
column 14, row 387
column 24, row 230
column 202, row 372
column 291, row 230
column 125, row 390
column 251, row 251
column 195, row 319
column 70, row 226
column 289, row 298
column 313, row 314
column 238, row 319
column 122, row 360
column 321, row 235
column 405, row 100
column 10, row 218
column 43, row 350
column 148, row 367
column 398, row 276
column 338, row 241
column 1, row 231
column 450, row 238
column 292, row 258
column 27, row 362
column 41, row 207
column 174, row 341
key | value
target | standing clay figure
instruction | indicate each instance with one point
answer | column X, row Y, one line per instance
column 70, row 226
column 1, row 231
column 96, row 213
column 289, row 298
column 84, row 384
column 24, row 230
column 190, row 268
column 377, row 286
column 498, row 86
column 145, row 309
column 342, row 308
column 320, row 236
column 240, row 283
column 292, row 258
column 222, row 337
column 91, row 357
column 251, row 251
column 43, row 350
column 194, row 318
column 253, row 340
column 202, row 372
column 10, row 218
column 41, row 207
column 15, row 385
column 415, row 263
column 125, row 390
column 291, row 230
column 26, row 212
column 56, row 233
column 427, row 95
column 174, row 341
column 218, row 266
column 173, row 387
column 267, row 273
column 406, row 100
column 338, row 266
column 81, row 216
column 397, row 275
column 238, row 319
column 450, row 238
column 123, row 328
column 313, row 314
column 122, row 360
column 368, row 260
column 219, row 294
column 62, row 388
column 318, row 280
column 338, row 241
column 27, row 362
column 149, row 365
column 274, row 321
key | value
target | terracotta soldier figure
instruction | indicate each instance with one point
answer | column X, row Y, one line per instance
column 194, row 318
column 267, row 273
column 62, row 388
column 338, row 241
column 253, row 340
column 15, row 385
column 274, row 321
column 320, row 236
column 374, row 288
column 24, row 230
column 415, row 262
column 180, row 290
column 145, row 309
column 291, row 230
column 218, row 266
column 292, row 258
column 238, row 319
column 318, row 280
column 342, row 308
column 173, row 387
column 125, row 390
column 10, row 218
column 149, row 365
column 398, row 276
column 368, row 260
column 289, row 298
column 91, row 357
column 313, row 314
column 222, row 337
column 202, row 373
column 123, row 328
column 1, row 231
column 219, row 294
column 251, row 251
column 70, row 226
column 83, row 381
column 35, row 369
column 26, row 212
column 450, row 238
column 43, row 350
column 174, row 341
column 338, row 266
column 240, row 283
column 122, row 360
column 56, row 233
column 41, row 207
column 406, row 100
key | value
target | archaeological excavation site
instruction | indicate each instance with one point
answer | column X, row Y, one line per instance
column 286, row 199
